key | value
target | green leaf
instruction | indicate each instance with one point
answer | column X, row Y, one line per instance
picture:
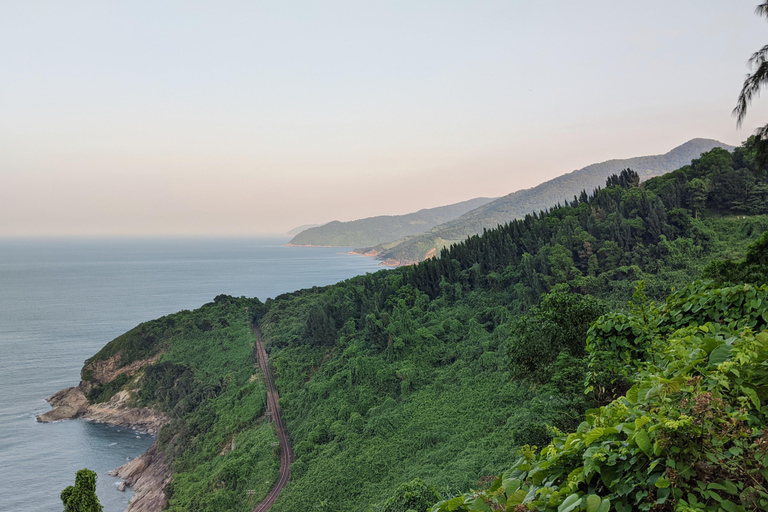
column 662, row 482
column 752, row 394
column 730, row 506
column 593, row 435
column 481, row 506
column 720, row 354
column 512, row 486
column 452, row 504
column 516, row 497
column 569, row 503
column 605, row 506
column 643, row 442
column 593, row 503
column 726, row 486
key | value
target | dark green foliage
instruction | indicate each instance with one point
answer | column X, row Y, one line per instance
column 558, row 325
column 688, row 436
column 414, row 495
column 106, row 391
column 752, row 269
column 82, row 496
column 524, row 202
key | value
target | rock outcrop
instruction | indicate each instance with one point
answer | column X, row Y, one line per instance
column 72, row 403
column 147, row 475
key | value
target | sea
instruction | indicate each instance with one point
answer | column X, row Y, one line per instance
column 61, row 300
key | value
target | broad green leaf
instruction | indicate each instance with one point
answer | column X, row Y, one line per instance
column 643, row 442
column 730, row 506
column 481, row 506
column 512, row 486
column 720, row 355
column 450, row 505
column 569, row 503
column 752, row 394
column 726, row 486
column 593, row 502
column 517, row 497
column 632, row 395
column 605, row 506
column 593, row 435
column 662, row 482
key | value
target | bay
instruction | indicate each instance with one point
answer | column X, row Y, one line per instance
column 61, row 300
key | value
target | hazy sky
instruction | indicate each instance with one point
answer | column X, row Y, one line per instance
column 255, row 117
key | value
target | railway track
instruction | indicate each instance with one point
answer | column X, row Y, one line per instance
column 273, row 408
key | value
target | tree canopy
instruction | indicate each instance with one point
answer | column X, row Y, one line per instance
column 81, row 497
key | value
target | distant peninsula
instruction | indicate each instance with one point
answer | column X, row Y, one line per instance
column 383, row 228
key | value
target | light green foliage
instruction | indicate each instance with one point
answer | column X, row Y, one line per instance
column 688, row 435
column 82, row 496
column 619, row 341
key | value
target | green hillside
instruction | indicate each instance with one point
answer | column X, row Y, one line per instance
column 518, row 204
column 418, row 386
column 384, row 228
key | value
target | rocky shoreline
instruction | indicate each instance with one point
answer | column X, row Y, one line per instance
column 147, row 474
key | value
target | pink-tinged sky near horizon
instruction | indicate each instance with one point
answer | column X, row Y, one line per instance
column 240, row 118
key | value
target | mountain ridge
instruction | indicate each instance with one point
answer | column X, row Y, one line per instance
column 406, row 251
column 382, row 228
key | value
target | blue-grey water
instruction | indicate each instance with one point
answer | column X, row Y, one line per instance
column 61, row 300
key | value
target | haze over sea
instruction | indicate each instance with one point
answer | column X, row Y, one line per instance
column 61, row 300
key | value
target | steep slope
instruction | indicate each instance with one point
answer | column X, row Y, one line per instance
column 518, row 204
column 383, row 228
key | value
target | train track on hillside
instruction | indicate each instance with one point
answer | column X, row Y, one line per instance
column 273, row 409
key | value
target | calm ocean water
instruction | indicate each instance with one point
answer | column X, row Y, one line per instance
column 62, row 300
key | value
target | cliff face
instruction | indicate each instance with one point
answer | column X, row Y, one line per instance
column 147, row 474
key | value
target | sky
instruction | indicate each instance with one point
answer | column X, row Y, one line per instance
column 242, row 118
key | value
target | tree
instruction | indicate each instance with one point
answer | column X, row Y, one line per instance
column 414, row 495
column 697, row 195
column 755, row 81
column 82, row 496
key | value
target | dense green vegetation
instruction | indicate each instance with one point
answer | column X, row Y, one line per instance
column 81, row 497
column 524, row 202
column 218, row 442
column 383, row 228
column 415, row 385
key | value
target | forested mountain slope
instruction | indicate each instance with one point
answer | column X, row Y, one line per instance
column 383, row 228
column 415, row 385
column 518, row 204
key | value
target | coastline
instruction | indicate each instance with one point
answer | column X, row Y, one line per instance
column 147, row 475
column 370, row 254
